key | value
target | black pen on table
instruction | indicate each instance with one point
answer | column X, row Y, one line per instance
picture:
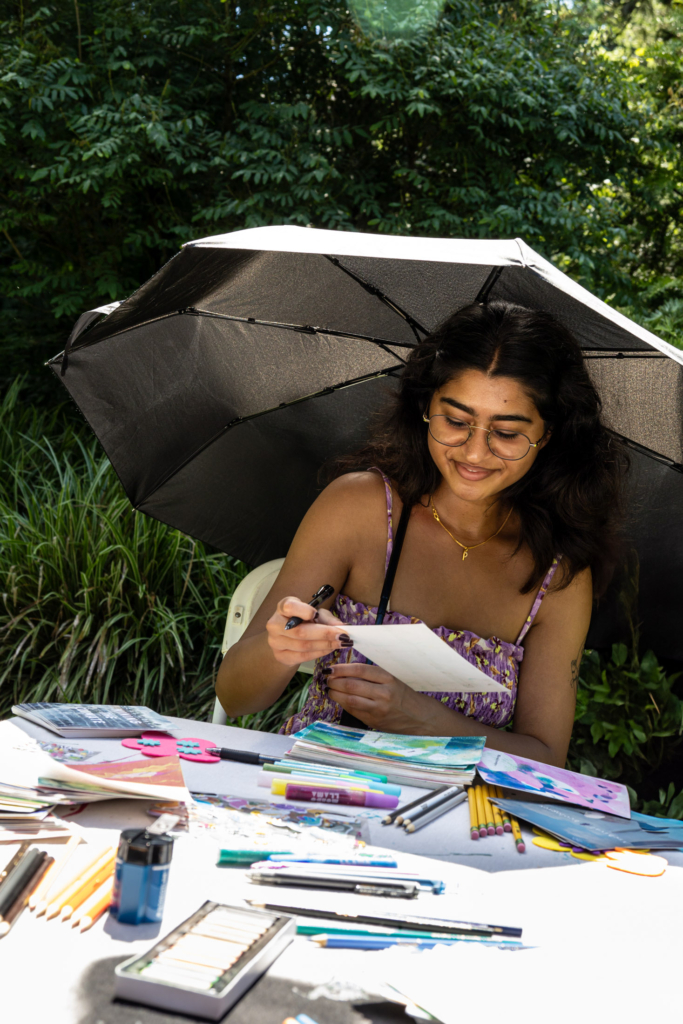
column 315, row 602
column 244, row 756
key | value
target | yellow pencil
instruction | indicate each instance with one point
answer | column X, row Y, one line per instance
column 488, row 810
column 86, row 909
column 96, row 909
column 62, row 898
column 481, row 813
column 87, row 889
column 474, row 818
column 507, row 827
column 53, row 873
column 497, row 816
column 517, row 833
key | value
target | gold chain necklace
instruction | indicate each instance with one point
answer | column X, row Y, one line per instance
column 465, row 549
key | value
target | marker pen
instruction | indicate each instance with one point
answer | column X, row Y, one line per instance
column 355, row 797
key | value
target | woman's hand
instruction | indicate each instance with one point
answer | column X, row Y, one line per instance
column 320, row 632
column 379, row 699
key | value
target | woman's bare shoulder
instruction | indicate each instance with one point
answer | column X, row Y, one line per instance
column 358, row 493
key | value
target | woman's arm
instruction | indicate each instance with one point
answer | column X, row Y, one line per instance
column 544, row 713
column 345, row 525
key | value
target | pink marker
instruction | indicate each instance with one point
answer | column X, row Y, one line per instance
column 356, row 797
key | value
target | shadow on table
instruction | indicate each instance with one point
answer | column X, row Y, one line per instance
column 270, row 1001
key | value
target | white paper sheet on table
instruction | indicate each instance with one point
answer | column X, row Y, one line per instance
column 419, row 658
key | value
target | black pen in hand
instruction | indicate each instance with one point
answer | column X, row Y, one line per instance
column 315, row 602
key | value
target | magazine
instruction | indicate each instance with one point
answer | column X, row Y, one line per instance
column 97, row 720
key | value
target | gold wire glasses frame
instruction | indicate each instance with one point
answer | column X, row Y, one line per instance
column 503, row 440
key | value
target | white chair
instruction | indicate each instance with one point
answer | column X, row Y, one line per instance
column 244, row 604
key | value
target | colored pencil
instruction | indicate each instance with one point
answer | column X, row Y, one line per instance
column 105, row 874
column 18, row 856
column 22, row 899
column 91, row 871
column 18, row 877
column 51, row 876
column 481, row 813
column 96, row 905
column 435, row 800
column 396, row 817
column 436, row 811
column 474, row 819
column 517, row 834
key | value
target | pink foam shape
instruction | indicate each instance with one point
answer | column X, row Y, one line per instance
column 168, row 745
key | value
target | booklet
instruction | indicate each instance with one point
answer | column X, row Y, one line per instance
column 74, row 720
column 547, row 781
column 420, row 659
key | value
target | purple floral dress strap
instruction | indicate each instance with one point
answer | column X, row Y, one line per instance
column 390, row 506
column 539, row 597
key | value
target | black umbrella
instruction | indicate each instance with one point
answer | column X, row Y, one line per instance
column 221, row 386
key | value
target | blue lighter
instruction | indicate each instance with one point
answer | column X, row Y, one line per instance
column 141, row 877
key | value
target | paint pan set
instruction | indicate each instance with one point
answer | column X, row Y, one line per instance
column 208, row 962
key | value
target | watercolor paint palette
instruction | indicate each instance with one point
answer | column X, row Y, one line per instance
column 208, row 962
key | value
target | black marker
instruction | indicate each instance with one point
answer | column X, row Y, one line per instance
column 315, row 602
column 245, row 756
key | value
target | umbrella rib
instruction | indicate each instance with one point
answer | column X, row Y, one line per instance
column 650, row 452
column 256, row 415
column 414, row 324
column 388, row 346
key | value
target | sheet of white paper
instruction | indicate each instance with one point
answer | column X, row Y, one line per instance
column 419, row 658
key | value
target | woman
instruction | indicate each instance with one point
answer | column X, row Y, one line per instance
column 510, row 485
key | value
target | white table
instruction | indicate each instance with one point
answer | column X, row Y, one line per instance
column 597, row 932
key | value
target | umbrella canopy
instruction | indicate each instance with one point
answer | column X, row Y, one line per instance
column 220, row 387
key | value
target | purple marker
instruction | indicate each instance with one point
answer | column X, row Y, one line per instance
column 356, row 797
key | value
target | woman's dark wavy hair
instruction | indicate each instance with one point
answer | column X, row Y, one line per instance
column 570, row 500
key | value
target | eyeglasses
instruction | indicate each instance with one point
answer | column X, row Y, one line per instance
column 504, row 444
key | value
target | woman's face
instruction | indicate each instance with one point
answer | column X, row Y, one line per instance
column 472, row 471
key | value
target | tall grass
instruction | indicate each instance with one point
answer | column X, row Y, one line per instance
column 101, row 604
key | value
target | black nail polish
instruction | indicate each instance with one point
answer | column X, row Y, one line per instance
column 346, row 644
column 344, row 638
column 326, row 671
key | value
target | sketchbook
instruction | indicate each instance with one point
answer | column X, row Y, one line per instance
column 427, row 761
column 552, row 783
column 420, row 659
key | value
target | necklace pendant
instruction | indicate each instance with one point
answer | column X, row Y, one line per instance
column 464, row 554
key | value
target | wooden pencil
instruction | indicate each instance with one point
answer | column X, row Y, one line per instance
column 517, row 834
column 488, row 810
column 497, row 816
column 481, row 813
column 474, row 819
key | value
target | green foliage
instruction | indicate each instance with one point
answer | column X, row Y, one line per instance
column 628, row 717
column 669, row 804
column 126, row 129
column 98, row 604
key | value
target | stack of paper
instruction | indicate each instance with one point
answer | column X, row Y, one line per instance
column 428, row 761
column 29, row 775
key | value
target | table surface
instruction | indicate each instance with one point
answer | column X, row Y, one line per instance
column 602, row 939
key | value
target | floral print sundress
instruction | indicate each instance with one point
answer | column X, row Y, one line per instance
column 497, row 658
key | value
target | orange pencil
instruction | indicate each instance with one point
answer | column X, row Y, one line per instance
column 97, row 904
column 105, row 873
column 63, row 898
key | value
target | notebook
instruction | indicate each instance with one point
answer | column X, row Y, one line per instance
column 74, row 720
